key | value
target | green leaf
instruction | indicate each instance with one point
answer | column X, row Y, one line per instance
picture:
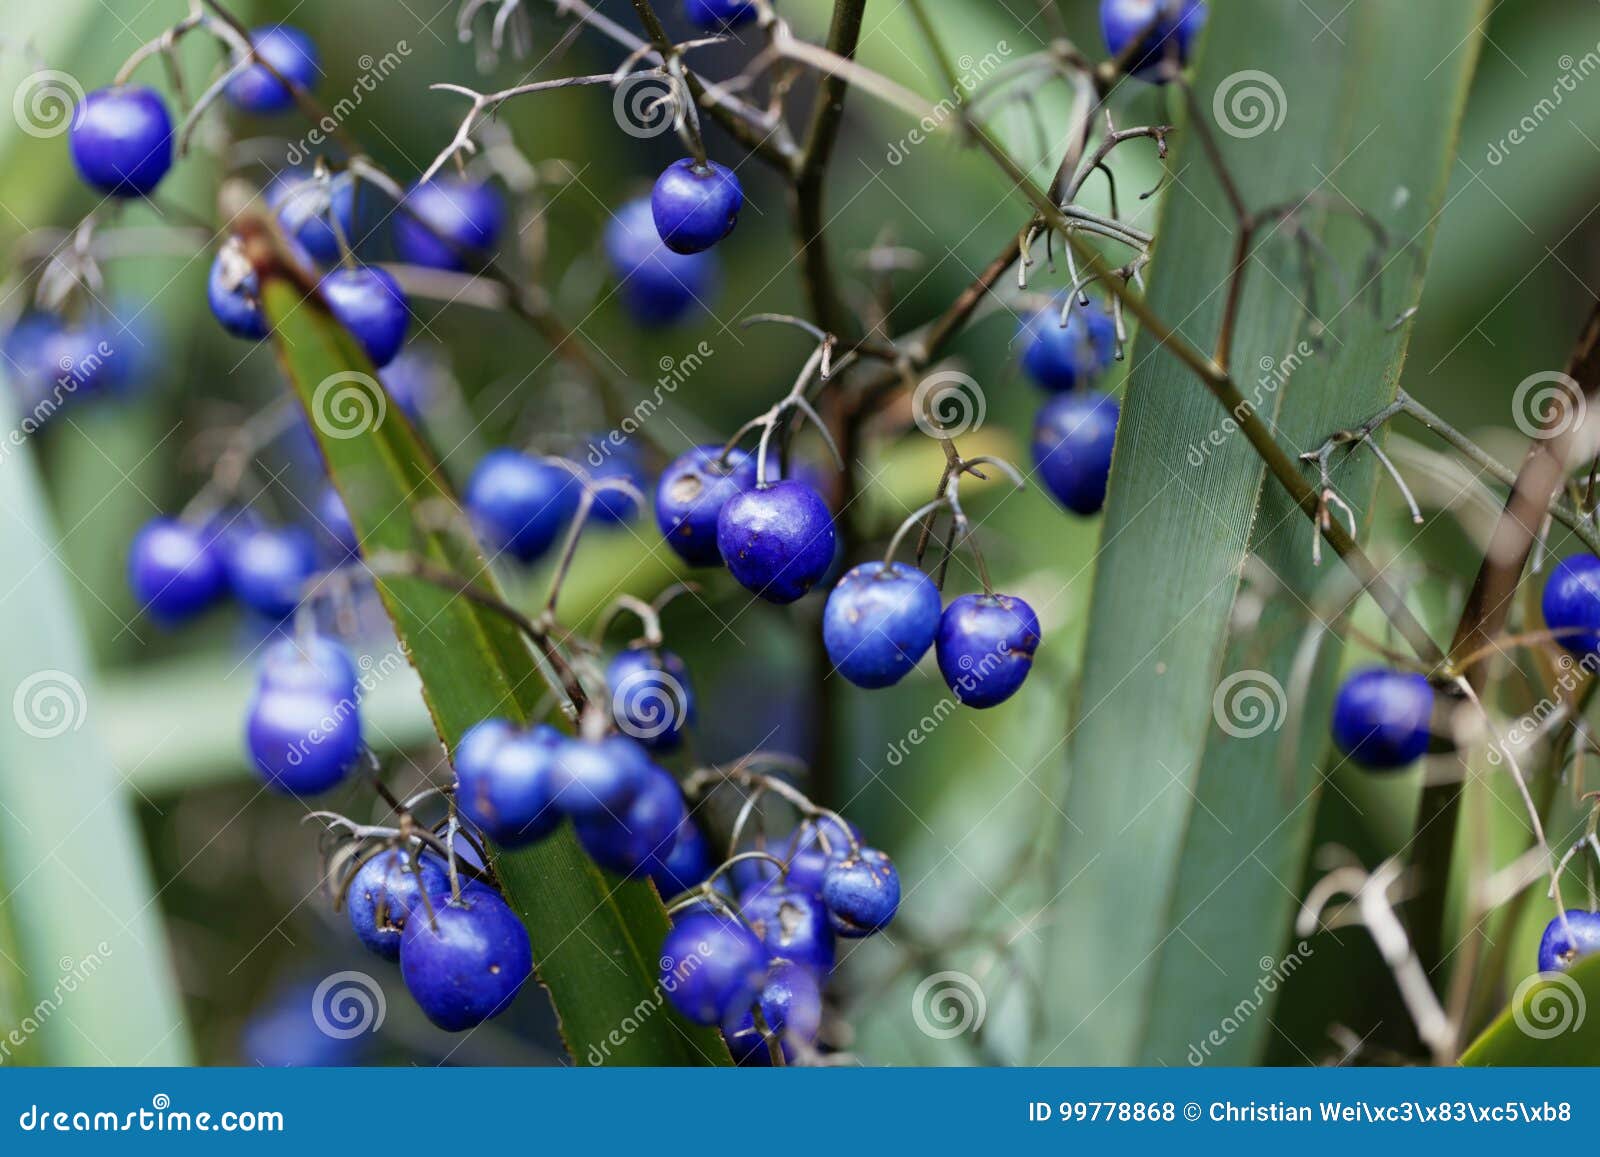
column 1180, row 872
column 1553, row 1019
column 596, row 941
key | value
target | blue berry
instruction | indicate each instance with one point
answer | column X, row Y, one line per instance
column 688, row 862
column 694, row 207
column 234, row 292
column 1072, row 440
column 255, row 90
column 504, row 782
column 372, row 306
column 1172, row 28
column 303, row 741
column 861, row 893
column 268, row 567
column 1565, row 942
column 718, row 13
column 985, row 647
column 520, row 504
column 121, row 140
column 658, row 286
column 308, row 663
column 334, row 518
column 1571, row 603
column 791, row 1004
column 412, row 381
column 384, row 890
column 793, row 924
column 879, row 622
column 1380, row 718
column 712, row 967
column 777, row 540
column 451, row 222
column 690, row 495
column 802, row 850
column 613, row 507
column 174, row 570
column 289, row 1031
column 308, row 206
column 651, row 696
column 592, row 779
column 467, row 963
column 632, row 842
column 1061, row 357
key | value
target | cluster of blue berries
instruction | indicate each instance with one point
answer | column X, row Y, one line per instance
column 1076, row 427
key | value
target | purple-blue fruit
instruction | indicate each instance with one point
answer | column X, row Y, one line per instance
column 712, row 967
column 985, row 647
column 861, row 893
column 369, row 303
column 690, row 495
column 777, row 540
column 694, row 206
column 1381, row 717
column 254, row 88
column 121, row 140
column 1569, row 938
column 384, row 890
column 652, row 699
column 520, row 504
column 505, row 783
column 174, row 570
column 451, row 222
column 1072, row 440
column 879, row 622
column 467, row 962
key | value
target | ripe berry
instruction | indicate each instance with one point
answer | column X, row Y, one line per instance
column 383, row 891
column 687, row 864
column 372, row 306
column 121, row 140
column 658, row 286
column 451, row 222
column 307, row 207
column 791, row 1004
column 596, row 778
column 1072, row 440
column 268, row 567
column 985, row 647
column 777, row 540
column 1565, row 942
column 234, row 293
column 1380, row 718
column 289, row 1032
column 690, row 495
column 651, row 697
column 630, row 842
column 504, row 782
column 712, row 967
column 520, row 504
column 1168, row 27
column 253, row 89
column 613, row 506
column 411, row 380
column 694, row 207
column 861, row 893
column 308, row 662
column 879, row 622
column 791, row 923
column 174, row 570
column 468, row 962
column 802, row 850
column 718, row 13
column 303, row 729
column 1571, row 603
column 1061, row 357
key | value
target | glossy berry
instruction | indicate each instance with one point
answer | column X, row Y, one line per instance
column 308, row 207
column 658, row 286
column 652, row 699
column 803, row 851
column 504, row 782
column 520, row 504
column 718, row 13
column 372, row 306
column 451, row 222
column 712, row 967
column 793, row 924
column 383, row 892
column 592, row 779
column 121, row 140
column 303, row 741
column 861, row 893
column 233, row 291
column 879, row 622
column 985, row 647
column 614, row 507
column 1566, row 941
column 1380, row 718
column 690, row 495
column 630, row 842
column 174, row 570
column 308, row 662
column 694, row 207
column 468, row 962
column 777, row 540
column 687, row 863
column 1058, row 357
column 1571, row 603
column 1165, row 29
column 1072, row 440
column 791, row 1005
column 292, row 53
column 268, row 567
